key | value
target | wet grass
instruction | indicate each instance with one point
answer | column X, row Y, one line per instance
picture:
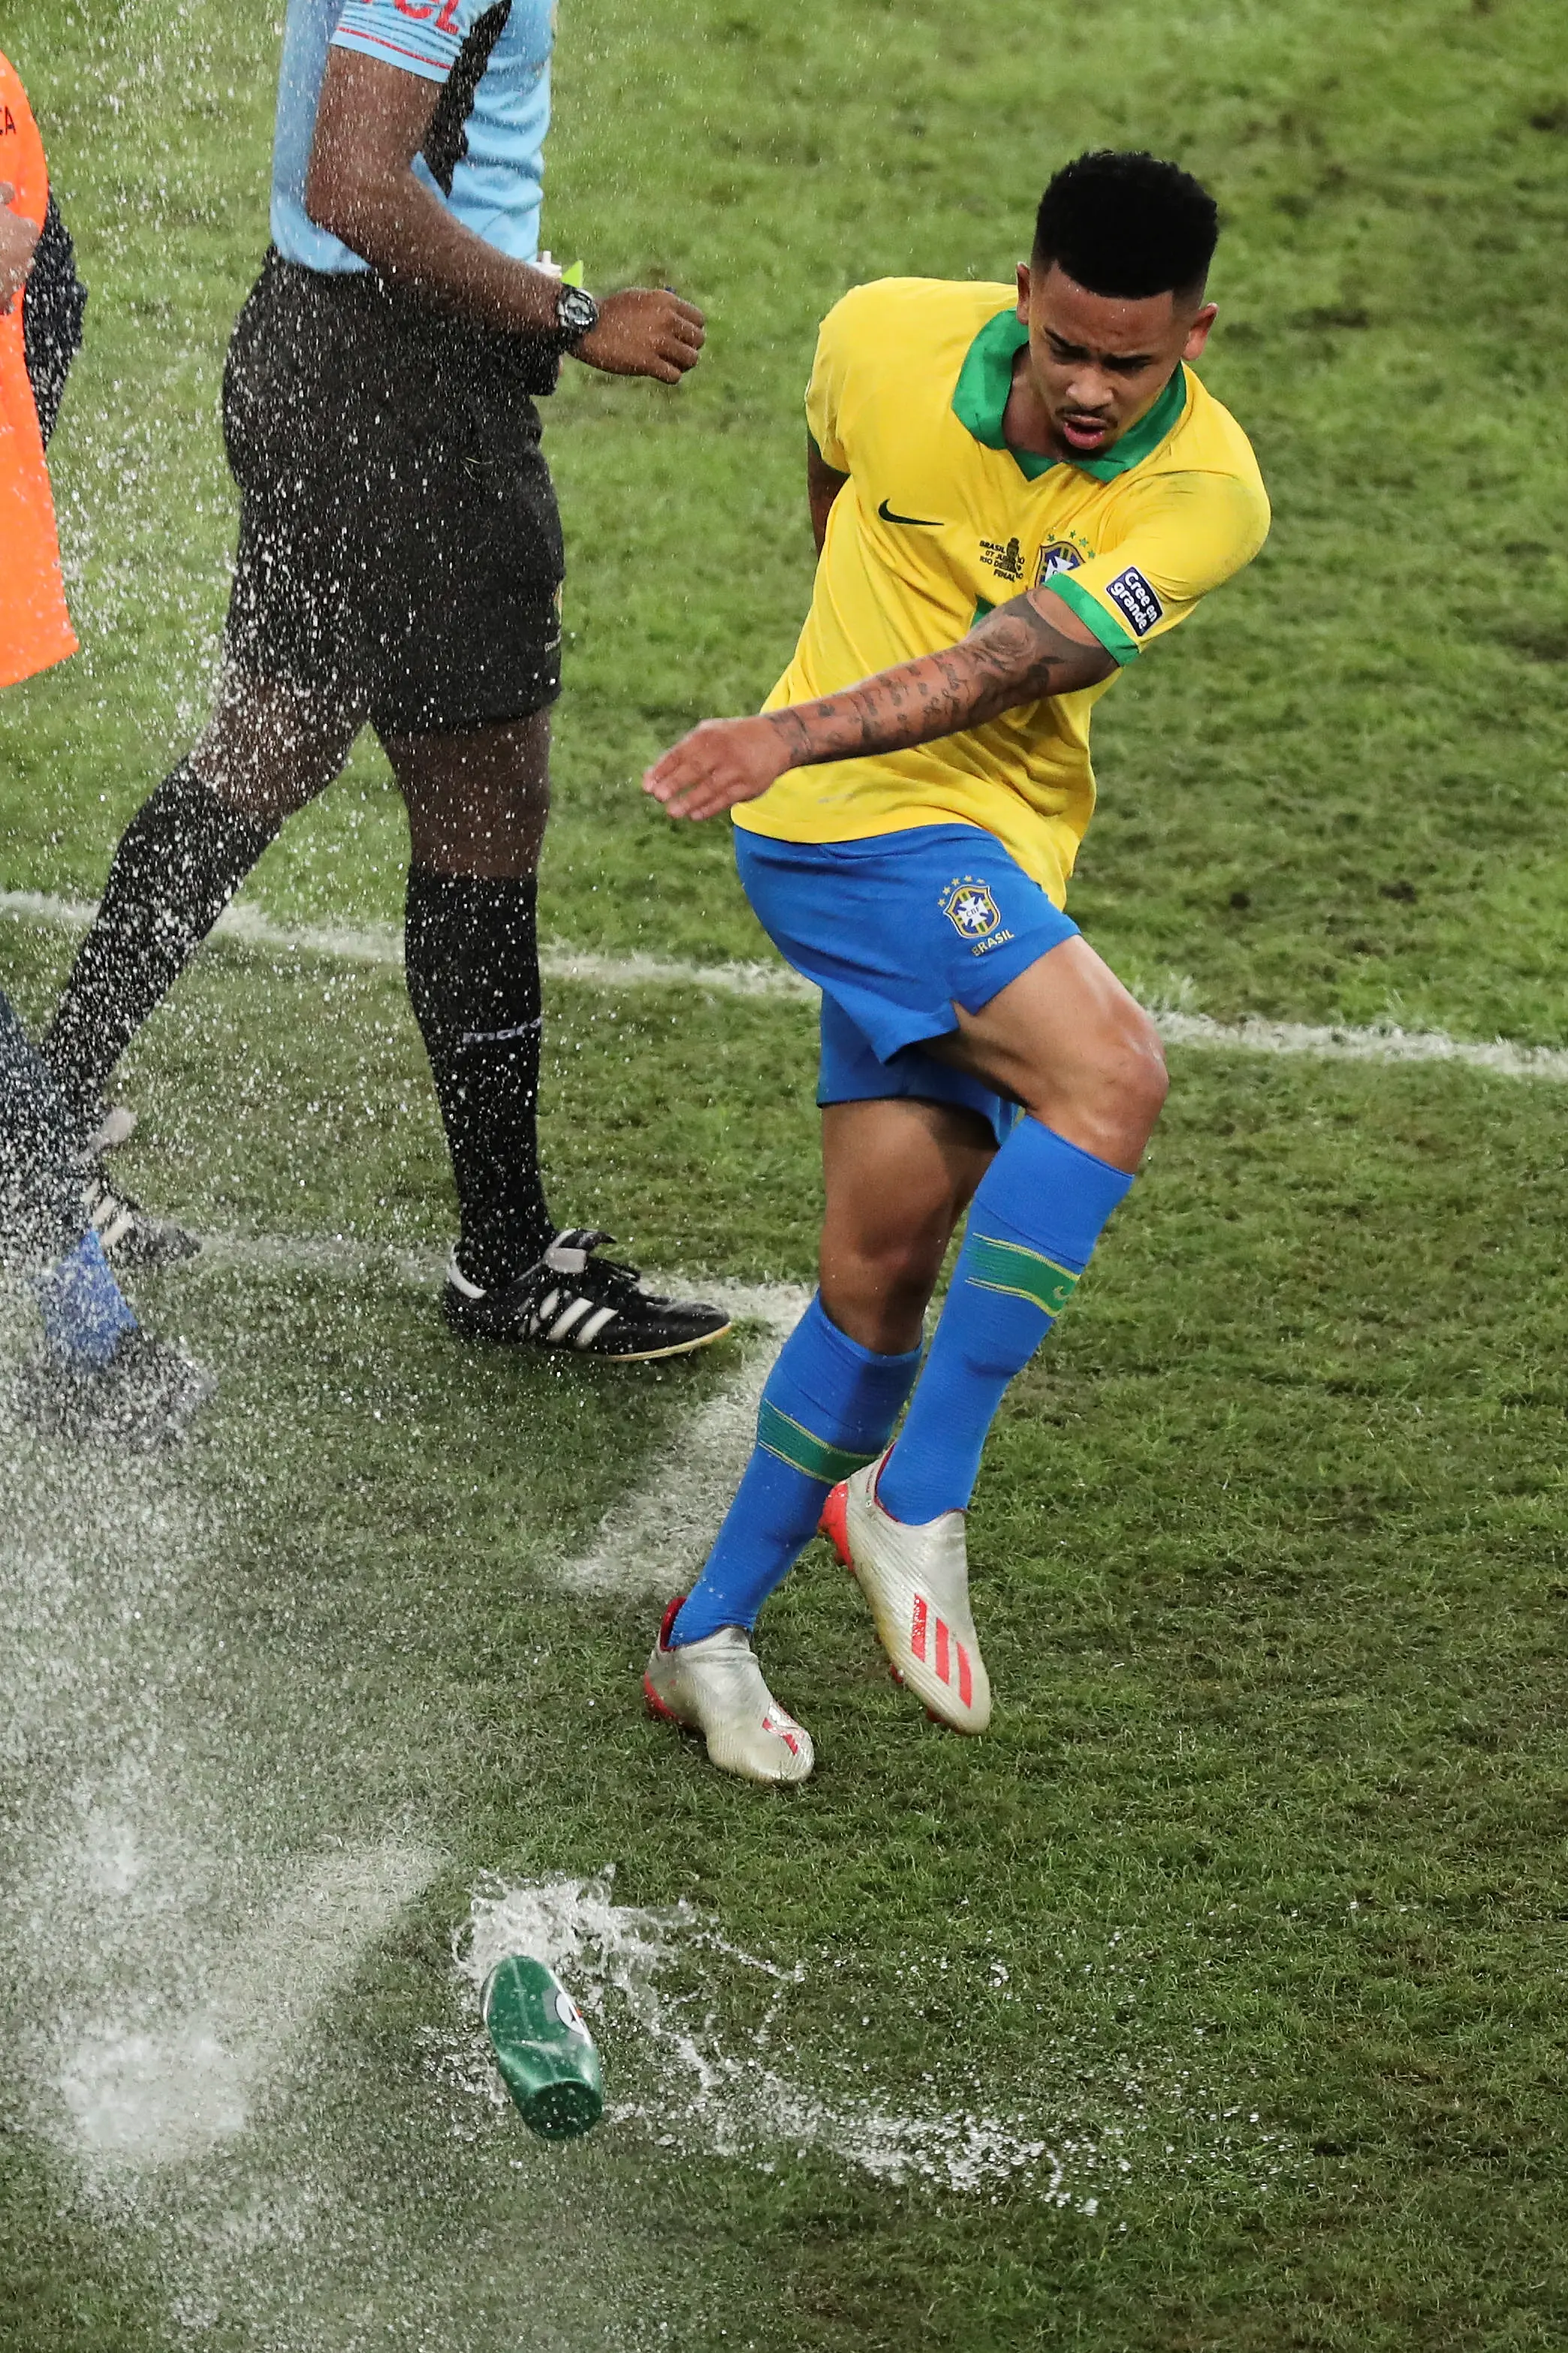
column 1254, row 1888
column 1269, row 1546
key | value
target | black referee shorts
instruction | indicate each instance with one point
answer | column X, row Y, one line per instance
column 399, row 541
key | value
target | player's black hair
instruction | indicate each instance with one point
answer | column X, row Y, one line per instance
column 1127, row 225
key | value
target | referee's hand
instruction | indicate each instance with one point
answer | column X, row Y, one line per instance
column 647, row 331
column 18, row 238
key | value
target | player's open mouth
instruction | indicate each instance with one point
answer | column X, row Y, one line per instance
column 1085, row 432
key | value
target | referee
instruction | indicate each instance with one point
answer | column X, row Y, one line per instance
column 400, row 565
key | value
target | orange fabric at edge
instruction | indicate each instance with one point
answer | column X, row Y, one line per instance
column 35, row 626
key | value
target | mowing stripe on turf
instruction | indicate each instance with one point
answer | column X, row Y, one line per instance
column 1335, row 1043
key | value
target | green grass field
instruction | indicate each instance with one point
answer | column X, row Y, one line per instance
column 1215, row 2001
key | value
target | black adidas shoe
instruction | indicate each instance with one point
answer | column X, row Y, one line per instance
column 142, row 1399
column 581, row 1305
column 130, row 1235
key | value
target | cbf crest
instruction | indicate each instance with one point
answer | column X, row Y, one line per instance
column 1057, row 556
column 970, row 908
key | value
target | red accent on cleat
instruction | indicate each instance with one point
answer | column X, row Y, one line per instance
column 667, row 1626
column 943, row 1665
column 834, row 1524
column 918, row 1629
column 965, row 1679
column 656, row 1706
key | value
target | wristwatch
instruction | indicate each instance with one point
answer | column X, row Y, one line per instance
column 576, row 315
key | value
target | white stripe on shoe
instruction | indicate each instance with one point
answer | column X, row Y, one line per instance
column 562, row 1327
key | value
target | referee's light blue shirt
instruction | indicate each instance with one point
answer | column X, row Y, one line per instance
column 498, row 186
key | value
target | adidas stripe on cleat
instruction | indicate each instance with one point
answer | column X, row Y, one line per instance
column 129, row 1234
column 715, row 1687
column 917, row 1582
column 581, row 1305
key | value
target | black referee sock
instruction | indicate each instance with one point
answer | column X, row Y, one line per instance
column 472, row 951
column 180, row 862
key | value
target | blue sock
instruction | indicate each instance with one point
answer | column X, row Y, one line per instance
column 84, row 1316
column 1036, row 1218
column 828, row 1407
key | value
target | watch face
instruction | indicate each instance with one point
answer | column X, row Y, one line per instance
column 575, row 311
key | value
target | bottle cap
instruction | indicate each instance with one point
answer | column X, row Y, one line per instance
column 561, row 2111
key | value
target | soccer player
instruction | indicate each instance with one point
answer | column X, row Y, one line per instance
column 400, row 563
column 1013, row 493
column 98, row 1375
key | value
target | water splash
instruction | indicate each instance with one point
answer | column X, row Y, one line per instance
column 705, row 2096
column 166, row 2091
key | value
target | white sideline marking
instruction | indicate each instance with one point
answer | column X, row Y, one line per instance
column 38, row 907
column 1383, row 1043
column 328, row 1254
column 770, row 1303
column 1333, row 1042
column 654, row 1540
column 659, row 972
column 378, row 944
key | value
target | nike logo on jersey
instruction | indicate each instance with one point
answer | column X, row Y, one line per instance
column 922, row 522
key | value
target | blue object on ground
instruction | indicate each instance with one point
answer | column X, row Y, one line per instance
column 85, row 1317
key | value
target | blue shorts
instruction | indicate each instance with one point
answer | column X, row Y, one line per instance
column 896, row 931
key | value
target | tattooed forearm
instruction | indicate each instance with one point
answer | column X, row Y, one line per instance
column 1015, row 655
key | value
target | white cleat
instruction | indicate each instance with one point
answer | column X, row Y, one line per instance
column 715, row 1687
column 917, row 1582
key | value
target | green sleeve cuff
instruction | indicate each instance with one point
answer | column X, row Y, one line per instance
column 1119, row 643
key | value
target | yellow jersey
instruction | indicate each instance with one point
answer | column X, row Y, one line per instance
column 940, row 522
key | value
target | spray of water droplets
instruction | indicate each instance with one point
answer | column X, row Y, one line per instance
column 678, row 2078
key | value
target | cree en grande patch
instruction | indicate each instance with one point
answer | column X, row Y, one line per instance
column 1135, row 600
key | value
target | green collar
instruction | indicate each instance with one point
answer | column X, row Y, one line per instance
column 986, row 383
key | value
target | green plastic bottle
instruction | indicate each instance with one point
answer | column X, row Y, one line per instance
column 542, row 2048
